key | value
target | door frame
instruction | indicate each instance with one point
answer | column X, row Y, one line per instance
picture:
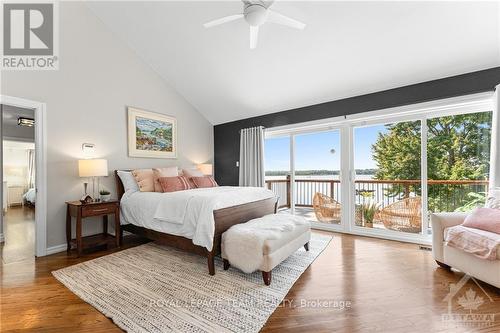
column 41, row 167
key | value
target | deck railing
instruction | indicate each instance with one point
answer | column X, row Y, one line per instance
column 444, row 195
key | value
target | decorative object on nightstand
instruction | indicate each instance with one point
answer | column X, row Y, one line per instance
column 104, row 195
column 93, row 168
column 206, row 169
column 80, row 211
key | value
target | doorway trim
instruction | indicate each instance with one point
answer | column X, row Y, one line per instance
column 41, row 167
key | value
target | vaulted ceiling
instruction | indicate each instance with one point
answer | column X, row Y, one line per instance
column 347, row 49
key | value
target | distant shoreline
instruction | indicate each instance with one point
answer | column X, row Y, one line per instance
column 319, row 172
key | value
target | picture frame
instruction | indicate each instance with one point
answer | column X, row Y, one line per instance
column 151, row 134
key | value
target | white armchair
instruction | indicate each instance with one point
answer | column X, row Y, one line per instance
column 447, row 257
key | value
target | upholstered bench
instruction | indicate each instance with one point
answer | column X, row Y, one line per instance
column 263, row 243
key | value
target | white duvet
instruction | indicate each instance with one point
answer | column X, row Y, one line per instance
column 30, row 196
column 186, row 213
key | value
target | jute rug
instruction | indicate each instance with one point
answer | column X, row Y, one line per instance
column 152, row 288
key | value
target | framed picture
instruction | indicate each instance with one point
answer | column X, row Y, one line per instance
column 151, row 134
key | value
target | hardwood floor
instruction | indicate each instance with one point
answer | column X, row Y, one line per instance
column 391, row 286
column 19, row 234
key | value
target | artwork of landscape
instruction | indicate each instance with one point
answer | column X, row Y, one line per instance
column 153, row 135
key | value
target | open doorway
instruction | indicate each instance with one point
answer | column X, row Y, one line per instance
column 18, row 186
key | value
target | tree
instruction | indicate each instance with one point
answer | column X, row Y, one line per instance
column 457, row 149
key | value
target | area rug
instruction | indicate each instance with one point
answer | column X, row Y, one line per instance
column 153, row 288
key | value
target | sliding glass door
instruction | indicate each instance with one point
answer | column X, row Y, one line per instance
column 458, row 155
column 397, row 169
column 317, row 190
column 388, row 184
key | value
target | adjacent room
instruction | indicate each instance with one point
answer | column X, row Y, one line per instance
column 18, row 232
column 250, row 166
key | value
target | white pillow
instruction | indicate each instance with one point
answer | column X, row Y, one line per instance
column 128, row 181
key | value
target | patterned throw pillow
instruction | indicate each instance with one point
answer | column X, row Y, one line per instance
column 174, row 184
column 206, row 181
column 190, row 173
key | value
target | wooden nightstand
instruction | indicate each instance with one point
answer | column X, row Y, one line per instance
column 80, row 211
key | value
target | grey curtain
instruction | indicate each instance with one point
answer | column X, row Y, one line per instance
column 252, row 157
column 495, row 142
column 31, row 168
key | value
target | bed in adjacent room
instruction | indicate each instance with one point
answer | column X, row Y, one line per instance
column 29, row 198
column 192, row 220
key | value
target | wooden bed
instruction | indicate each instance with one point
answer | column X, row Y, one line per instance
column 224, row 219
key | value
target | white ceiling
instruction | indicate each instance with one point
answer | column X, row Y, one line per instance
column 347, row 49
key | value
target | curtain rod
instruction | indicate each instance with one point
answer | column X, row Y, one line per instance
column 239, row 131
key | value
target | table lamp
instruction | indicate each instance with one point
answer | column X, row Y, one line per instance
column 205, row 169
column 93, row 168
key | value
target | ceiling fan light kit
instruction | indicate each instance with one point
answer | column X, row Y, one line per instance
column 256, row 13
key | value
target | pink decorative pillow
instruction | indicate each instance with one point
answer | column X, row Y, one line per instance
column 190, row 173
column 144, row 179
column 163, row 172
column 206, row 181
column 173, row 184
column 487, row 219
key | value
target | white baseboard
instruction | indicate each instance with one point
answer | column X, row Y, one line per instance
column 1, row 238
column 56, row 249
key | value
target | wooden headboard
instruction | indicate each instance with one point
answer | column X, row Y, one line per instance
column 119, row 185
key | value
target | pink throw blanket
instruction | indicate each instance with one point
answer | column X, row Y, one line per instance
column 480, row 243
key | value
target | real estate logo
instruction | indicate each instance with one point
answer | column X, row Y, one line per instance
column 30, row 36
column 466, row 311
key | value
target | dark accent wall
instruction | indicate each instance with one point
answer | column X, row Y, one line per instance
column 227, row 140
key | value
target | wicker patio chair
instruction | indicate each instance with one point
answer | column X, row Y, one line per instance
column 326, row 209
column 404, row 215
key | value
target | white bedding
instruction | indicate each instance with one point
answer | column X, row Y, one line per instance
column 186, row 213
column 30, row 196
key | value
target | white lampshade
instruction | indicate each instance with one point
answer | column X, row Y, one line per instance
column 206, row 169
column 93, row 168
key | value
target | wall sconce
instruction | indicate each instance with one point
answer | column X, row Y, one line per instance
column 88, row 150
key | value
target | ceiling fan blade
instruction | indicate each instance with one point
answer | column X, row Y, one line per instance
column 222, row 20
column 278, row 18
column 254, row 36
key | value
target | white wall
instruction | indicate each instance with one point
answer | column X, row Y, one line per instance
column 86, row 101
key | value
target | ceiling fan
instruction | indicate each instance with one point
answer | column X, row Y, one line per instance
column 256, row 13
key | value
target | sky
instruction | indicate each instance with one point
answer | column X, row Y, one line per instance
column 313, row 151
